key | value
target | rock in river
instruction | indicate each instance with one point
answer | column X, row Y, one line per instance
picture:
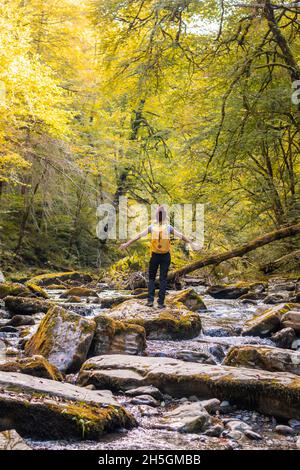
column 26, row 305
column 37, row 366
column 190, row 417
column 264, row 357
column 64, row 338
column 284, row 338
column 173, row 322
column 46, row 409
column 11, row 440
column 13, row 289
column 276, row 394
column 266, row 322
column 292, row 320
column 117, row 337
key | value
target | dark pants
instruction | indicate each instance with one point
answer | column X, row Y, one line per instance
column 161, row 260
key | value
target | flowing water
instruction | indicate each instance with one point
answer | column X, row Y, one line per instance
column 222, row 323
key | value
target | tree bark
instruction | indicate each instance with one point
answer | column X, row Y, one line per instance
column 270, row 237
column 282, row 261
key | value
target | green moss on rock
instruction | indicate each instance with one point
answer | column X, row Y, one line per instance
column 63, row 337
column 13, row 289
column 36, row 366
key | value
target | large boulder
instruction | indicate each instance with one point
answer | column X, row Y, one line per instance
column 276, row 394
column 170, row 323
column 263, row 357
column 234, row 291
column 62, row 337
column 116, row 337
column 291, row 319
column 266, row 322
column 45, row 409
column 60, row 278
column 11, row 440
column 26, row 305
column 36, row 366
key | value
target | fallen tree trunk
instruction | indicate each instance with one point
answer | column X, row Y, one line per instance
column 237, row 252
column 293, row 257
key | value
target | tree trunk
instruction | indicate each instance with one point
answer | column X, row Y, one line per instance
column 237, row 252
column 294, row 256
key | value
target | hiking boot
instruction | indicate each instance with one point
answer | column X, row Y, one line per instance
column 149, row 303
column 159, row 305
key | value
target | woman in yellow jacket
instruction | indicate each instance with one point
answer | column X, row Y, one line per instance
column 160, row 254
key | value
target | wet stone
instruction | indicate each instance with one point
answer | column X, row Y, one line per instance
column 284, row 430
column 144, row 400
column 150, row 390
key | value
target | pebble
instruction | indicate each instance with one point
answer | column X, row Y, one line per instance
column 284, row 430
column 294, row 423
column 90, row 387
column 147, row 390
column 236, row 425
column 298, row 443
column 252, row 435
column 193, row 398
column 12, row 351
column 235, row 435
column 215, row 431
column 144, row 400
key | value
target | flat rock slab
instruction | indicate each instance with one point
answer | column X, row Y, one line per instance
column 170, row 323
column 263, row 357
column 276, row 394
column 47, row 409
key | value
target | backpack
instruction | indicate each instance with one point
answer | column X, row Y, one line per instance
column 160, row 239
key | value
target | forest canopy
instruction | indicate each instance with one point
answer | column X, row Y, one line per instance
column 175, row 101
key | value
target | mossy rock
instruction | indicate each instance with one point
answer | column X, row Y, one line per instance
column 272, row 393
column 263, row 357
column 189, row 298
column 37, row 290
column 63, row 337
column 27, row 403
column 170, row 323
column 13, row 289
column 267, row 322
column 55, row 278
column 26, row 305
column 36, row 366
column 80, row 292
column 117, row 337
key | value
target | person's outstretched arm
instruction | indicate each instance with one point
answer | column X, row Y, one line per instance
column 125, row 245
column 180, row 235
